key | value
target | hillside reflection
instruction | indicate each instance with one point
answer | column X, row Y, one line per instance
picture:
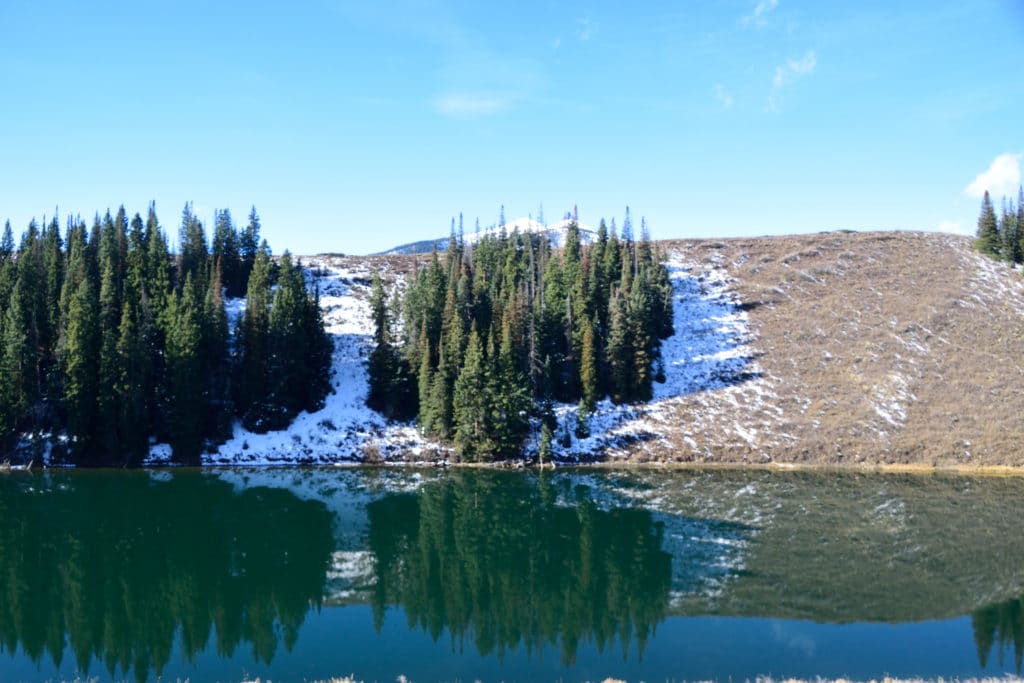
column 118, row 566
column 492, row 560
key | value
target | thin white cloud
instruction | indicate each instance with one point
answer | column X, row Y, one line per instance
column 787, row 74
column 470, row 105
column 794, row 69
column 585, row 29
column 759, row 17
column 723, row 96
column 1001, row 179
column 952, row 226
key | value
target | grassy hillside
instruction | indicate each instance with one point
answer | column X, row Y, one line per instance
column 877, row 348
column 891, row 348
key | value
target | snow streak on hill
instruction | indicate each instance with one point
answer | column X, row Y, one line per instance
column 709, row 351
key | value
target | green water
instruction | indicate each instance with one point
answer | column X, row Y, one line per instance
column 461, row 575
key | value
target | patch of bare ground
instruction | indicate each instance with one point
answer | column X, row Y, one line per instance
column 893, row 348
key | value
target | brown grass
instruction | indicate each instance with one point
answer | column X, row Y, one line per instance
column 845, row 323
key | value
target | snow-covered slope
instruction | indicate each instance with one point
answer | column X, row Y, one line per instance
column 709, row 351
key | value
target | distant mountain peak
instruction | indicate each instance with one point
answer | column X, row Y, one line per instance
column 556, row 235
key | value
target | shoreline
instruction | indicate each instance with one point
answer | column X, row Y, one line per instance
column 1008, row 471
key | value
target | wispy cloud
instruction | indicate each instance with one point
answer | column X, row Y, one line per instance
column 585, row 29
column 722, row 95
column 471, row 105
column 758, row 18
column 1001, row 179
column 787, row 74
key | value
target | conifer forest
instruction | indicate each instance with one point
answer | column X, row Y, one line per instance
column 493, row 332
column 1002, row 236
column 109, row 341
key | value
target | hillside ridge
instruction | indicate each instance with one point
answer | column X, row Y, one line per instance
column 830, row 349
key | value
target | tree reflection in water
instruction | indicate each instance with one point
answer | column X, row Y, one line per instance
column 1000, row 626
column 495, row 561
column 117, row 565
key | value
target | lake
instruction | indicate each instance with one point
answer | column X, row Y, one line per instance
column 299, row 574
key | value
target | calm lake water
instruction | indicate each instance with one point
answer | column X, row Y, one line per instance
column 293, row 575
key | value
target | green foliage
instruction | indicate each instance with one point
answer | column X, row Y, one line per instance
column 185, row 383
column 1002, row 237
column 284, row 352
column 572, row 325
column 391, row 382
column 104, row 339
column 471, row 405
column 544, row 450
column 126, row 574
column 988, row 241
column 492, row 560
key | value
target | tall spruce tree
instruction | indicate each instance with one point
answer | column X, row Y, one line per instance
column 81, row 371
column 988, row 241
column 186, row 388
column 254, row 347
column 14, row 354
column 391, row 384
column 194, row 250
column 132, row 383
column 471, row 404
column 227, row 253
column 248, row 247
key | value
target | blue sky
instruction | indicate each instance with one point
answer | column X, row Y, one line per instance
column 355, row 126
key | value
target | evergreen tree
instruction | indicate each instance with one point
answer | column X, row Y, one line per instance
column 132, row 385
column 248, row 248
column 8, row 267
column 31, row 287
column 185, row 383
column 194, row 251
column 315, row 374
column 6, row 242
column 424, row 384
column 390, row 382
column 1009, row 250
column 988, row 241
column 588, row 370
column 544, row 453
column 470, row 405
column 227, row 253
column 14, row 354
column 81, row 371
column 512, row 400
column 441, row 400
column 109, row 364
column 158, row 269
column 215, row 335
column 620, row 351
column 254, row 346
column 1020, row 224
